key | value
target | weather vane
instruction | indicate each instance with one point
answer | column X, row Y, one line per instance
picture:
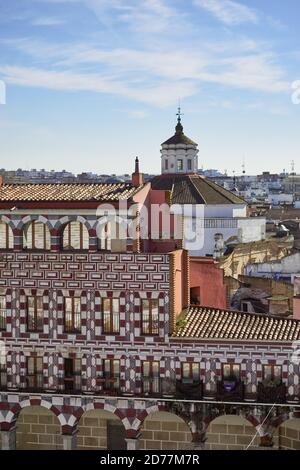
column 179, row 113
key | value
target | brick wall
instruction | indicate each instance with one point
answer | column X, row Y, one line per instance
column 289, row 435
column 165, row 431
column 92, row 430
column 230, row 433
column 38, row 428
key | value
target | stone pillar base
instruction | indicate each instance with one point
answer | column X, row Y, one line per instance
column 8, row 439
column 69, row 441
column 132, row 444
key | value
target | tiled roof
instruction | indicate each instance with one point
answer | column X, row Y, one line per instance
column 194, row 189
column 67, row 192
column 211, row 323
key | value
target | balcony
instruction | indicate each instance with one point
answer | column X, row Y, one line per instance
column 230, row 390
column 189, row 390
column 271, row 392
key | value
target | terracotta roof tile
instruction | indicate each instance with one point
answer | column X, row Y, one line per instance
column 194, row 189
column 210, row 323
column 67, row 192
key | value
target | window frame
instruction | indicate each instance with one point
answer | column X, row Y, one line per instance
column 37, row 376
column 113, row 372
column 3, row 310
column 191, row 375
column 3, row 372
column 75, row 316
column 232, row 373
column 179, row 164
column 274, row 375
column 152, row 331
column 35, row 329
column 152, row 379
column 68, row 227
column 33, row 236
column 8, row 232
column 112, row 316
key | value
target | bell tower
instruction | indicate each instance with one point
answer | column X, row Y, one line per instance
column 179, row 154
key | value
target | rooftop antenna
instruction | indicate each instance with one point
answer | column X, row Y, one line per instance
column 244, row 166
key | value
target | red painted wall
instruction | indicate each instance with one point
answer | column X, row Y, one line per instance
column 296, row 308
column 205, row 273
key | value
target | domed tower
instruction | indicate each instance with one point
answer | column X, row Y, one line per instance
column 179, row 154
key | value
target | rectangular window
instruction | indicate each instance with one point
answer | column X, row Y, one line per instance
column 190, row 372
column 111, row 374
column 2, row 312
column 72, row 315
column 272, row 372
column 150, row 377
column 179, row 165
column 166, row 164
column 35, row 313
column 111, row 315
column 3, row 372
column 150, row 317
column 231, row 371
column 72, row 377
column 35, row 373
column 189, row 164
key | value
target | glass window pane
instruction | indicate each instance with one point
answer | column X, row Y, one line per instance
column 68, row 304
column 146, row 369
column 186, row 370
column 116, row 306
column 226, row 370
column 236, row 370
column 2, row 302
column 196, row 371
column 277, row 371
column 267, row 372
column 106, row 305
column 155, row 369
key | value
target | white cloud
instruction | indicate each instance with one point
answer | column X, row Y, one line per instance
column 252, row 70
column 47, row 21
column 161, row 94
column 229, row 11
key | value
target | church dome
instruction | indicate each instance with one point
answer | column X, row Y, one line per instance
column 179, row 137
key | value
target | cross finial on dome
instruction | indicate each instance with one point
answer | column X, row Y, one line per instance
column 179, row 114
column 179, row 128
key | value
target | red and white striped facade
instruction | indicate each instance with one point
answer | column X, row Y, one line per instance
column 131, row 277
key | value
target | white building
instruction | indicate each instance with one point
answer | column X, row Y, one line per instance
column 211, row 215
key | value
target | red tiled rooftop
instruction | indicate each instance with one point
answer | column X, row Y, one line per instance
column 210, row 323
column 67, row 192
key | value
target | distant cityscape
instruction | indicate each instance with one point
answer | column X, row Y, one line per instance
column 275, row 189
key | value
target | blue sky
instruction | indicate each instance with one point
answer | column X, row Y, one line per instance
column 93, row 83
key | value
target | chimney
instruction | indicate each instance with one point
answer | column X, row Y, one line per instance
column 137, row 177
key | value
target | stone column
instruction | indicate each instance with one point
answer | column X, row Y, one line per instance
column 198, row 441
column 132, row 444
column 8, row 439
column 70, row 441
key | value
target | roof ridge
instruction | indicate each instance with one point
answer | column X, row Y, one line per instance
column 196, row 189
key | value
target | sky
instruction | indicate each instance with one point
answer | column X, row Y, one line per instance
column 90, row 84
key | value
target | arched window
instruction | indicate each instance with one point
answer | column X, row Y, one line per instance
column 6, row 237
column 75, row 237
column 36, row 236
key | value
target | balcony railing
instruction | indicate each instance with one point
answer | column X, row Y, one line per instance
column 230, row 391
column 152, row 387
column 271, row 393
column 189, row 390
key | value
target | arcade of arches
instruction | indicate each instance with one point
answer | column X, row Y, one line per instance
column 39, row 428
